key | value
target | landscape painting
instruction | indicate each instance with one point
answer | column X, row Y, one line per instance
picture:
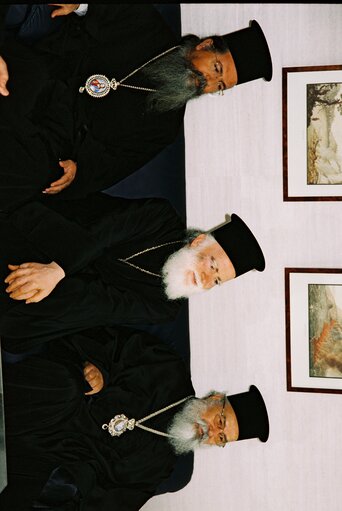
column 3, row 468
column 324, row 133
column 312, row 133
column 325, row 330
column 313, row 305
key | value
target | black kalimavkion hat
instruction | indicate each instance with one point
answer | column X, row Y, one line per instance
column 241, row 246
column 250, row 53
column 251, row 414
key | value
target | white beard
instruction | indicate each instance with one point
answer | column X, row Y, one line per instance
column 184, row 436
column 175, row 269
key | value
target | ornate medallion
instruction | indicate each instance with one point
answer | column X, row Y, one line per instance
column 119, row 424
column 98, row 86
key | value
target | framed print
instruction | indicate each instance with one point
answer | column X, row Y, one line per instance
column 312, row 133
column 3, row 467
column 313, row 303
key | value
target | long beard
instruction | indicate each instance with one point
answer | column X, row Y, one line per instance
column 174, row 81
column 184, row 435
column 176, row 267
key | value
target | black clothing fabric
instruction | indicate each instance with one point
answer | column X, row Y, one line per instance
column 86, row 238
column 45, row 118
column 58, row 453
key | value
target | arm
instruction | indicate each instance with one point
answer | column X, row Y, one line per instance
column 115, row 160
column 52, row 233
column 78, row 303
column 73, row 234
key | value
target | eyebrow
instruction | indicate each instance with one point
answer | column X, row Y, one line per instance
column 213, row 260
column 217, row 60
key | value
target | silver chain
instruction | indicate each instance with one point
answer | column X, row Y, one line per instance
column 141, row 67
column 151, row 430
column 126, row 260
column 114, row 84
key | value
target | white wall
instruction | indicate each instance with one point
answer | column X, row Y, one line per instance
column 234, row 165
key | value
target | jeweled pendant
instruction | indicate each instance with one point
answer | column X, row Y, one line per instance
column 119, row 424
column 97, row 86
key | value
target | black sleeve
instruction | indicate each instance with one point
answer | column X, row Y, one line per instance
column 73, row 242
column 3, row 12
column 114, row 162
column 102, row 20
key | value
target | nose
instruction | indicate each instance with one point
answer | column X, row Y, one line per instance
column 206, row 280
column 211, row 432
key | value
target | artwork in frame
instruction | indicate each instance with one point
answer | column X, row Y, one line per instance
column 313, row 304
column 312, row 133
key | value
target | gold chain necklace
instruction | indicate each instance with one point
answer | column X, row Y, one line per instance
column 126, row 260
column 99, row 86
column 120, row 423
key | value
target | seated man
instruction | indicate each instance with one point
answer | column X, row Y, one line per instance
column 57, row 116
column 106, row 260
column 107, row 444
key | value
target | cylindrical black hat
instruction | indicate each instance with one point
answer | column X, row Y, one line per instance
column 251, row 414
column 241, row 246
column 250, row 53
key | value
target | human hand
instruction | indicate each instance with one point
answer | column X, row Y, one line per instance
column 94, row 377
column 70, row 169
column 63, row 9
column 33, row 282
column 3, row 77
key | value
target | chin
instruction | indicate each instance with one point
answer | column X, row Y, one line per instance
column 185, row 291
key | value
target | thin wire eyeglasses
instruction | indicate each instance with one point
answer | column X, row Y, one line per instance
column 221, row 424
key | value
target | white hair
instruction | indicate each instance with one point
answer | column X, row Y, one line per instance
column 176, row 266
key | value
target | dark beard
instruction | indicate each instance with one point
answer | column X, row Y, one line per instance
column 175, row 80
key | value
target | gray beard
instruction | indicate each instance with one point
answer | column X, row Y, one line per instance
column 184, row 437
column 174, row 80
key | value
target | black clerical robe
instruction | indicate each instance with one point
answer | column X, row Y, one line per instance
column 87, row 237
column 45, row 118
column 54, row 432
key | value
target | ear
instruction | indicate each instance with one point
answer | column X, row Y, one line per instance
column 204, row 45
column 198, row 240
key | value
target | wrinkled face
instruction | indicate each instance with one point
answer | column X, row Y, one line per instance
column 202, row 423
column 221, row 423
column 196, row 267
column 217, row 68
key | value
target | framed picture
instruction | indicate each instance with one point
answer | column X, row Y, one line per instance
column 313, row 303
column 312, row 133
column 3, row 466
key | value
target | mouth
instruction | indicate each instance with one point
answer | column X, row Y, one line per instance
column 199, row 431
column 194, row 279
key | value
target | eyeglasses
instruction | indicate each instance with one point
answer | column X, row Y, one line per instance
column 220, row 422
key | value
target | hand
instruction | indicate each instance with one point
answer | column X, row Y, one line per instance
column 94, row 377
column 33, row 282
column 70, row 168
column 3, row 77
column 63, row 9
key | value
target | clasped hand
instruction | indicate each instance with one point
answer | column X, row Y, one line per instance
column 33, row 282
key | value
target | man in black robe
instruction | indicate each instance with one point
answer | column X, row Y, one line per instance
column 59, row 451
column 104, row 261
column 48, row 127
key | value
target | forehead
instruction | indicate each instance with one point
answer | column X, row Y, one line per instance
column 204, row 60
column 224, row 264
